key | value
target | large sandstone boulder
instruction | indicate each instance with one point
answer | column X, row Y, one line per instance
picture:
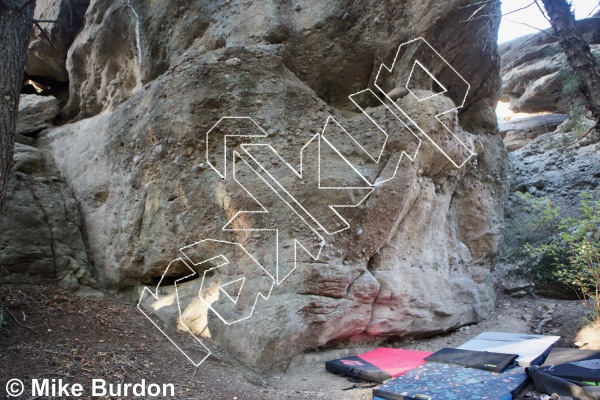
column 349, row 40
column 416, row 257
column 36, row 113
column 61, row 20
column 532, row 69
column 42, row 237
column 518, row 132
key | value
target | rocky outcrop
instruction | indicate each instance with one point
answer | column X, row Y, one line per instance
column 136, row 159
column 518, row 132
column 107, row 65
column 531, row 69
column 545, row 168
column 36, row 113
column 61, row 21
column 540, row 168
column 42, row 235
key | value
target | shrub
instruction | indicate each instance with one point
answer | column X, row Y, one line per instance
column 571, row 92
column 571, row 84
column 572, row 251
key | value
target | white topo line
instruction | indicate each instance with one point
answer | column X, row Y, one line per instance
column 305, row 215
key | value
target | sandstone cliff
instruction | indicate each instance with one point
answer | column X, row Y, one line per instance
column 533, row 69
column 149, row 80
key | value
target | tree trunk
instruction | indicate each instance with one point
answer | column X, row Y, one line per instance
column 578, row 53
column 16, row 19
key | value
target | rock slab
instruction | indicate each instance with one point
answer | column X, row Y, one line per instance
column 47, row 54
column 42, row 232
column 146, row 95
column 36, row 113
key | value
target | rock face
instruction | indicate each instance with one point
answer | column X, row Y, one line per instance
column 518, row 132
column 36, row 113
column 539, row 169
column 48, row 60
column 107, row 65
column 136, row 160
column 531, row 70
column 42, row 237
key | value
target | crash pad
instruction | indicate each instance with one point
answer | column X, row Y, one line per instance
column 437, row 381
column 378, row 365
column 575, row 364
column 488, row 361
column 532, row 349
column 546, row 383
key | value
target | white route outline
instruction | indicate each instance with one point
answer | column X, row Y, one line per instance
column 378, row 159
column 417, row 62
column 437, row 116
column 243, row 279
column 299, row 174
column 224, row 173
column 264, row 210
column 247, row 150
column 156, row 295
column 225, row 261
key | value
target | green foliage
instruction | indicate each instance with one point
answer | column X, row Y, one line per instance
column 550, row 51
column 571, row 252
column 547, row 215
column 571, row 84
column 533, row 229
column 570, row 91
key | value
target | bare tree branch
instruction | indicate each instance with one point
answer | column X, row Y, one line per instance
column 519, row 9
column 572, row 143
column 43, row 32
column 475, row 4
column 24, row 5
column 479, row 17
column 490, row 15
column 20, row 324
column 544, row 31
column 524, row 43
column 476, row 11
column 542, row 11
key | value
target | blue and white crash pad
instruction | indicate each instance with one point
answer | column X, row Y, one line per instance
column 532, row 349
column 436, row 381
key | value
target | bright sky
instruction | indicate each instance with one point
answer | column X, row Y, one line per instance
column 512, row 25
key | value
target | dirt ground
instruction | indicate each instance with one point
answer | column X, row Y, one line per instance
column 53, row 334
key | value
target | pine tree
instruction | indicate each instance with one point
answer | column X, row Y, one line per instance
column 578, row 53
column 16, row 20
